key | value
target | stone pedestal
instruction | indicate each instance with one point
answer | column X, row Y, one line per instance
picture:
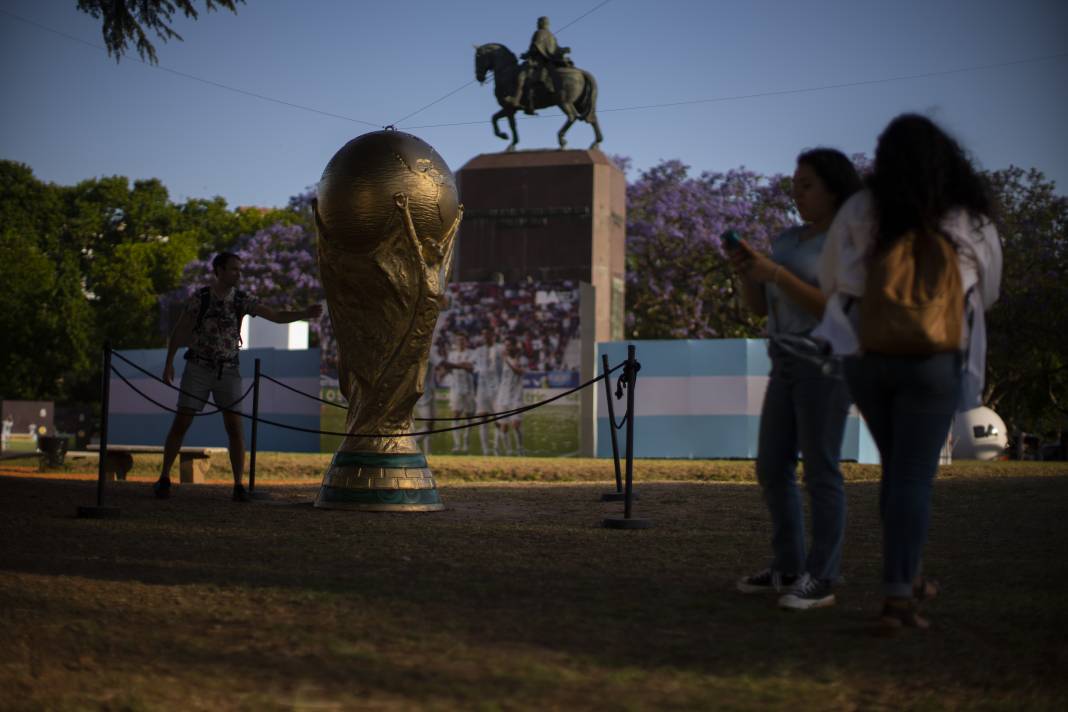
column 547, row 215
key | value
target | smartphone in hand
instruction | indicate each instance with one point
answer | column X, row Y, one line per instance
column 731, row 240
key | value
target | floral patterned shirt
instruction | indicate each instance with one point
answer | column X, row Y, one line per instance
column 219, row 337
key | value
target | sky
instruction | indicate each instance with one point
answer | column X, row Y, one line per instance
column 724, row 84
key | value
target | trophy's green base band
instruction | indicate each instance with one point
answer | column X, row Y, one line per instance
column 378, row 482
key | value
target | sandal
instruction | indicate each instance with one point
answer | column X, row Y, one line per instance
column 901, row 613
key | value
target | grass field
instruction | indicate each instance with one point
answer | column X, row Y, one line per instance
column 20, row 443
column 515, row 597
column 549, row 430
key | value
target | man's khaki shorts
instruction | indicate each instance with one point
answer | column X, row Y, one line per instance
column 200, row 381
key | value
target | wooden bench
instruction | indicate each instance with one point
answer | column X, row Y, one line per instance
column 193, row 462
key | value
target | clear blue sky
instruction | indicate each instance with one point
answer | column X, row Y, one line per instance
column 70, row 112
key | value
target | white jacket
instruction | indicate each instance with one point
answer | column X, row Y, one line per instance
column 844, row 271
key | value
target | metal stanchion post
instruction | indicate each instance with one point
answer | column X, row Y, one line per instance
column 255, row 422
column 618, row 494
column 626, row 521
column 99, row 511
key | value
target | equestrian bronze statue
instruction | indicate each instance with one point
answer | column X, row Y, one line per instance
column 547, row 78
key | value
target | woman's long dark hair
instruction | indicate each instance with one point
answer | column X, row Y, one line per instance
column 920, row 174
column 837, row 172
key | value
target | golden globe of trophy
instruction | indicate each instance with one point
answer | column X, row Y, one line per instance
column 387, row 215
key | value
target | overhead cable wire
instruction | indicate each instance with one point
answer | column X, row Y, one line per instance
column 843, row 85
column 639, row 107
column 262, row 97
column 583, row 15
column 436, row 101
column 782, row 92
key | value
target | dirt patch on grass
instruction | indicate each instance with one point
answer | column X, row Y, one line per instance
column 515, row 597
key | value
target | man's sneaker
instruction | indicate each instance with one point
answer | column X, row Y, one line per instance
column 240, row 495
column 808, row 593
column 162, row 488
column 767, row 581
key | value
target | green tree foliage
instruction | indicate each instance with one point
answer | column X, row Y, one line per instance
column 44, row 315
column 222, row 227
column 45, row 320
column 132, row 244
column 88, row 263
column 29, row 207
column 126, row 21
column 1027, row 374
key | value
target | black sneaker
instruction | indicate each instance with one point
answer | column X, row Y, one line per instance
column 767, row 581
column 808, row 593
column 240, row 495
column 162, row 488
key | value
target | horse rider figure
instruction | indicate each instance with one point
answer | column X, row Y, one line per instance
column 544, row 54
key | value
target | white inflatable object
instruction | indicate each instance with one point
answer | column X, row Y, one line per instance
column 978, row 434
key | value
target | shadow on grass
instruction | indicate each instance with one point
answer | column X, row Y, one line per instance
column 513, row 586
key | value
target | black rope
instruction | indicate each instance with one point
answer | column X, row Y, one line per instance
column 228, row 409
column 306, row 395
column 462, row 417
column 169, row 385
column 625, row 380
column 484, row 419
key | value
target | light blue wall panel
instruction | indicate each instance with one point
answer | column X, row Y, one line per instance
column 136, row 421
column 702, row 399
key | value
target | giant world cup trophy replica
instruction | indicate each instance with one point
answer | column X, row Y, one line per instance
column 387, row 215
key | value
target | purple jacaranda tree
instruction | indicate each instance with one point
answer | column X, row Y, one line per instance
column 679, row 283
column 279, row 267
column 302, row 204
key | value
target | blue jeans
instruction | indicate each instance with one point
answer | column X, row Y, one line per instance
column 803, row 409
column 908, row 403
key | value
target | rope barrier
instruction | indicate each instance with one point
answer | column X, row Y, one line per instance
column 625, row 380
column 484, row 419
column 306, row 395
column 479, row 420
column 504, row 413
column 138, row 391
column 631, row 375
column 172, row 386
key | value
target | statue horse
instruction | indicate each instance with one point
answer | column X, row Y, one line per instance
column 575, row 92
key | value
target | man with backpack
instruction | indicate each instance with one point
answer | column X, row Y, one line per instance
column 210, row 325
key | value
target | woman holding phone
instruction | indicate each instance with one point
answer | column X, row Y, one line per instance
column 804, row 408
